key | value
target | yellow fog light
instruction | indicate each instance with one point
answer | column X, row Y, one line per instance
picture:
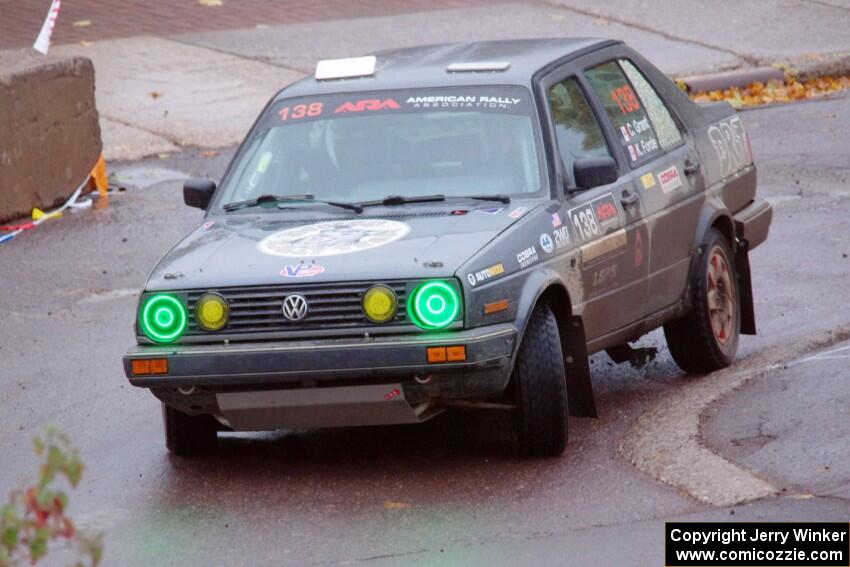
column 380, row 304
column 211, row 312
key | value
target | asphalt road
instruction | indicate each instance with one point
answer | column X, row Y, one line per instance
column 449, row 492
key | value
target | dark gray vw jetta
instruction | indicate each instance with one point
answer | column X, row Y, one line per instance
column 453, row 226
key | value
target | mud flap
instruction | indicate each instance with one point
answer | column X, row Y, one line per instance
column 745, row 288
column 579, row 387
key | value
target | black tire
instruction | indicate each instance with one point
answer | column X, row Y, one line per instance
column 189, row 434
column 540, row 388
column 706, row 339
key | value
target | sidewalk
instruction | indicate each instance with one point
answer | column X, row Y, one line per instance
column 166, row 89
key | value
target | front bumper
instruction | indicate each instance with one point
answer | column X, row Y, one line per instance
column 317, row 363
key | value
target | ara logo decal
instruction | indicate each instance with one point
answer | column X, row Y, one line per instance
column 302, row 270
column 367, row 104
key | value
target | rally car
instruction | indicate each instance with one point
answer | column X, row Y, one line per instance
column 452, row 226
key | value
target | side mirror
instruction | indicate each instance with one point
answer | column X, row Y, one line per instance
column 198, row 192
column 595, row 171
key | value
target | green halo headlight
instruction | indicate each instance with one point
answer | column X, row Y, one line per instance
column 433, row 305
column 163, row 318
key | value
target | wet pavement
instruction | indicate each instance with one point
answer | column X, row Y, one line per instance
column 450, row 492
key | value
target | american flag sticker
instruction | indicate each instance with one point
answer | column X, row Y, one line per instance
column 556, row 220
column 632, row 153
column 625, row 132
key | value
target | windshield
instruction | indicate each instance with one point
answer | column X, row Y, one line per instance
column 367, row 146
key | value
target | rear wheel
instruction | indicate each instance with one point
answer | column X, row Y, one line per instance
column 540, row 388
column 189, row 434
column 706, row 339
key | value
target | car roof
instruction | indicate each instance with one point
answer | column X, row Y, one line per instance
column 425, row 66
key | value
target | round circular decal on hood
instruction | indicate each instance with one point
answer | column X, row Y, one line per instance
column 333, row 237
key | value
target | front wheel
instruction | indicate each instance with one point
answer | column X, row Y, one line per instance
column 540, row 388
column 189, row 434
column 706, row 339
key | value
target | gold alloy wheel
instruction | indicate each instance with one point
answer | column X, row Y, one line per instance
column 721, row 300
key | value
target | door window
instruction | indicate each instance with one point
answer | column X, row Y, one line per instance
column 624, row 108
column 576, row 129
column 659, row 114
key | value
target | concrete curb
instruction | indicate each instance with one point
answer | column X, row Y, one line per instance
column 804, row 68
column 739, row 78
column 665, row 441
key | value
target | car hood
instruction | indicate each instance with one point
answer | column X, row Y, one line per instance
column 244, row 250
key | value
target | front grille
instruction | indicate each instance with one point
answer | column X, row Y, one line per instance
column 331, row 306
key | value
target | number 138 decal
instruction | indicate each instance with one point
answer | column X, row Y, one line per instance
column 593, row 219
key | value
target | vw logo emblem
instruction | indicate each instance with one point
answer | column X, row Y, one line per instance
column 294, row 307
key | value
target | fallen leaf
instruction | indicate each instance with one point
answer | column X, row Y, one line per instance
column 82, row 23
column 601, row 22
column 154, row 94
column 801, row 496
column 557, row 17
column 209, row 153
column 210, row 2
column 85, row 43
column 789, row 90
column 390, row 505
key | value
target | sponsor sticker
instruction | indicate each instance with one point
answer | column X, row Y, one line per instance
column 670, row 179
column 302, row 270
column 491, row 272
column 556, row 220
column 546, row 243
column 527, row 257
column 604, row 246
column 333, row 237
column 648, row 180
column 517, row 212
column 638, row 249
column 562, row 237
column 394, row 393
column 605, row 275
column 490, row 210
column 462, row 101
column 207, row 225
column 632, row 153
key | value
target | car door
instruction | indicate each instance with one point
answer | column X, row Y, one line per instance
column 604, row 222
column 665, row 168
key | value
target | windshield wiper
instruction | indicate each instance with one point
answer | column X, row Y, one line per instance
column 390, row 200
column 399, row 200
column 306, row 198
column 500, row 198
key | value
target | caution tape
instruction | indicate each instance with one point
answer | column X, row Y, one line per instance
column 97, row 178
column 42, row 42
